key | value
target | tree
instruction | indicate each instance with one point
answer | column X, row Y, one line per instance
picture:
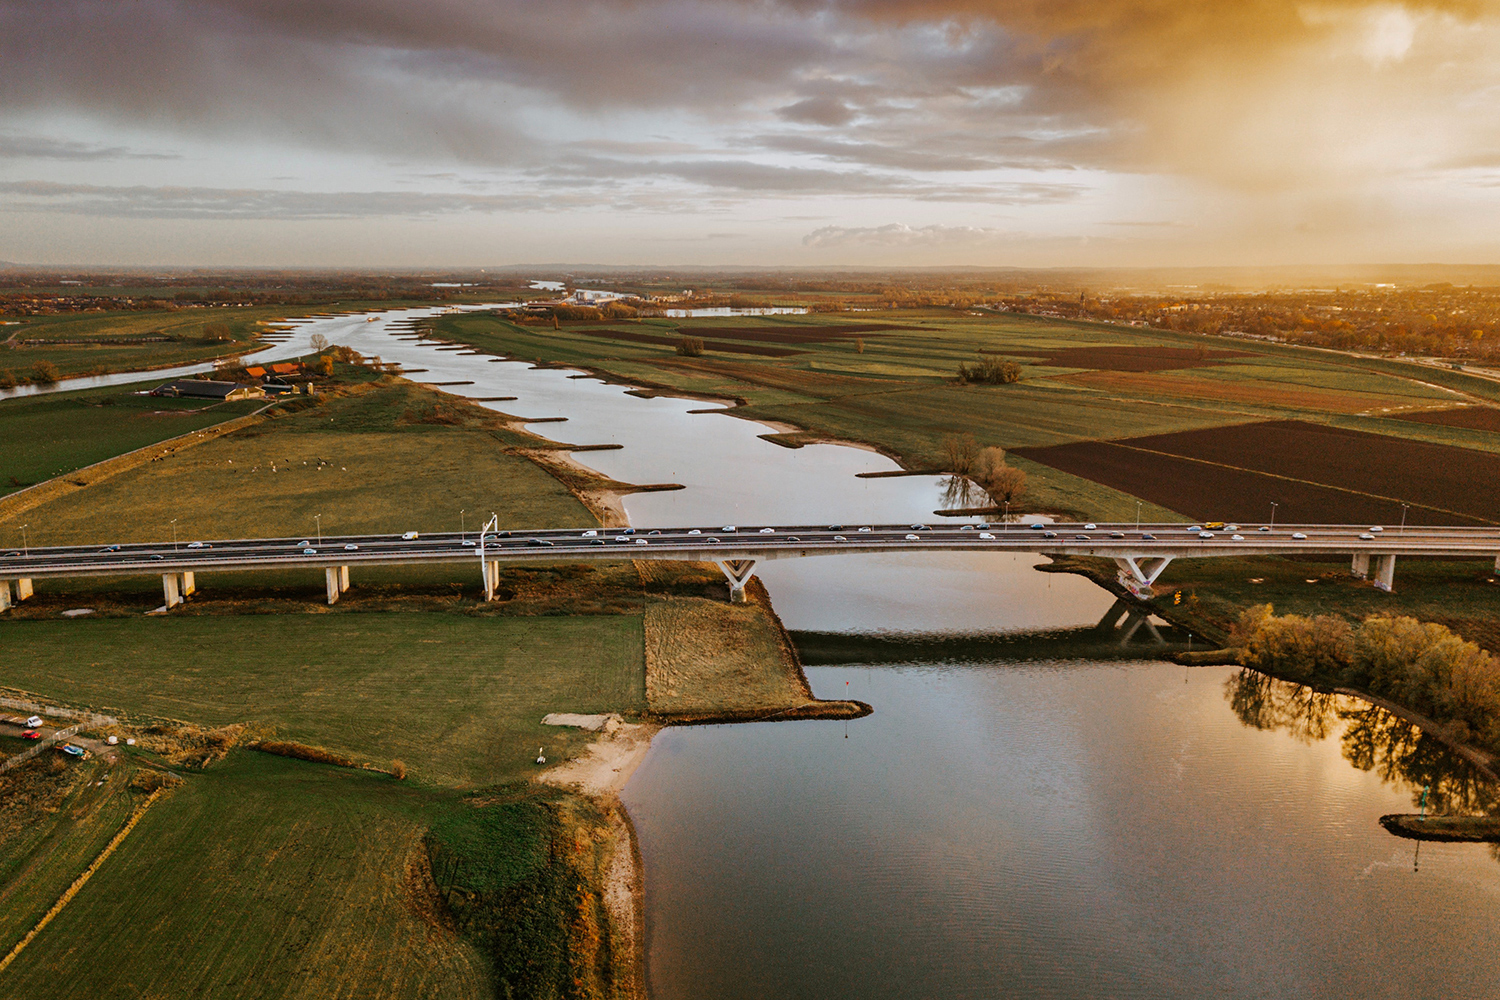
column 960, row 451
column 7, row 379
column 1003, row 483
column 44, row 373
column 989, row 371
column 318, row 342
column 690, row 347
column 215, row 332
column 325, row 364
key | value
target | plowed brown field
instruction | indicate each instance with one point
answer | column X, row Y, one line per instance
column 1475, row 418
column 671, row 341
column 1314, row 473
column 1255, row 392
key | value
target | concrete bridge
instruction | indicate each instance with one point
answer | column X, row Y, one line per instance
column 1142, row 552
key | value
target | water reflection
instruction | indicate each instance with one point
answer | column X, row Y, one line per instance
column 1372, row 740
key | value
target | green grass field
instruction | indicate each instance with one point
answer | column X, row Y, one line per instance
column 391, row 458
column 458, row 698
column 261, row 877
column 58, row 433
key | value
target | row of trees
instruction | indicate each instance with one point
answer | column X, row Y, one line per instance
column 986, row 466
column 1421, row 665
column 42, row 373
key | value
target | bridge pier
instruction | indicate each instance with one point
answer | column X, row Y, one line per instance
column 1360, row 568
column 491, row 570
column 738, row 572
column 23, row 589
column 337, row 580
column 1138, row 573
column 1385, row 572
column 4, row 595
column 172, row 589
column 189, row 585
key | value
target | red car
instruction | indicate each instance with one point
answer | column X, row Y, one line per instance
column 31, row 734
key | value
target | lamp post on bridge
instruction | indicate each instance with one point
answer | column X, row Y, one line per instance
column 174, row 534
column 319, row 519
column 1273, row 515
column 1403, row 517
column 463, row 533
column 25, row 545
column 1137, row 515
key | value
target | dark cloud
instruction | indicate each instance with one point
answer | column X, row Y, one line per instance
column 818, row 111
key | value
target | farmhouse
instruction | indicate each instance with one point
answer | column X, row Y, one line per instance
column 204, row 389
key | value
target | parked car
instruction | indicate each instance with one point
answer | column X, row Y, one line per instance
column 34, row 722
column 73, row 751
column 31, row 734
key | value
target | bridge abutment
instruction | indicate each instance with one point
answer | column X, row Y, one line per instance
column 1138, row 574
column 336, row 579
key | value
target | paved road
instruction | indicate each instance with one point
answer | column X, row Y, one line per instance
column 724, row 542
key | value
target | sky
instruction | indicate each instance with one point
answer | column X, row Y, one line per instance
column 800, row 133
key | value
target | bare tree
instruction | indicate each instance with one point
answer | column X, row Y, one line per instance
column 319, row 342
column 961, row 451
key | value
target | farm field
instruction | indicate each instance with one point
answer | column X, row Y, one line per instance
column 59, row 433
column 261, row 877
column 1315, row 473
column 130, row 340
column 887, row 378
column 1479, row 418
column 459, row 698
column 386, row 457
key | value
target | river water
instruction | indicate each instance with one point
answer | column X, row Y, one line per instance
column 1033, row 825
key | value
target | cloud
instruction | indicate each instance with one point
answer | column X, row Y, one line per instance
column 144, row 202
column 818, row 111
column 35, row 147
column 899, row 235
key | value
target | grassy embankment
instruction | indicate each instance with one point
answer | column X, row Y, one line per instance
column 464, row 880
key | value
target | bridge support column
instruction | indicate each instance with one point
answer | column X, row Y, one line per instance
column 331, row 580
column 1138, row 573
column 1497, row 564
column 4, row 595
column 738, row 572
column 189, row 586
column 1385, row 572
column 491, row 570
column 343, row 578
column 23, row 589
column 170, row 588
column 1360, row 569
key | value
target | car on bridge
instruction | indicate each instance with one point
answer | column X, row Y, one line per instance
column 410, row 536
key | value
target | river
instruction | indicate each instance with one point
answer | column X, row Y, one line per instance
column 1037, row 825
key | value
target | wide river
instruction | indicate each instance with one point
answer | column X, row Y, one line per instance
column 1030, row 825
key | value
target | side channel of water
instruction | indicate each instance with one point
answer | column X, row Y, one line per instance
column 1038, row 826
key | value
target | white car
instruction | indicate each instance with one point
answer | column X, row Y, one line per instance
column 34, row 722
column 1195, row 529
column 303, row 544
column 1090, row 527
column 987, row 536
column 468, row 543
column 1238, row 538
column 768, row 531
column 309, row 552
column 198, row 545
column 351, row 547
column 966, row 527
column 1376, row 527
column 728, row 528
column 1366, row 537
column 1231, row 527
column 1205, row 535
column 913, row 538
column 866, row 529
column 1299, row 536
column 694, row 531
column 589, row 534
column 410, row 536
column 839, row 538
column 641, row 541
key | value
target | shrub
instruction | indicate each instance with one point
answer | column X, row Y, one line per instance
column 44, row 373
column 215, row 332
column 7, row 379
column 989, row 371
column 1297, row 646
column 301, row 751
column 150, row 781
column 398, row 770
column 690, row 347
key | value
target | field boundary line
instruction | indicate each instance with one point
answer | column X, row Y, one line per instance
column 1294, row 479
column 81, row 880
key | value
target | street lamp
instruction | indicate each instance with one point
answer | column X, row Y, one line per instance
column 1403, row 517
column 1137, row 515
column 1007, row 516
column 25, row 546
column 319, row 518
column 174, row 534
column 1273, row 515
column 463, row 532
